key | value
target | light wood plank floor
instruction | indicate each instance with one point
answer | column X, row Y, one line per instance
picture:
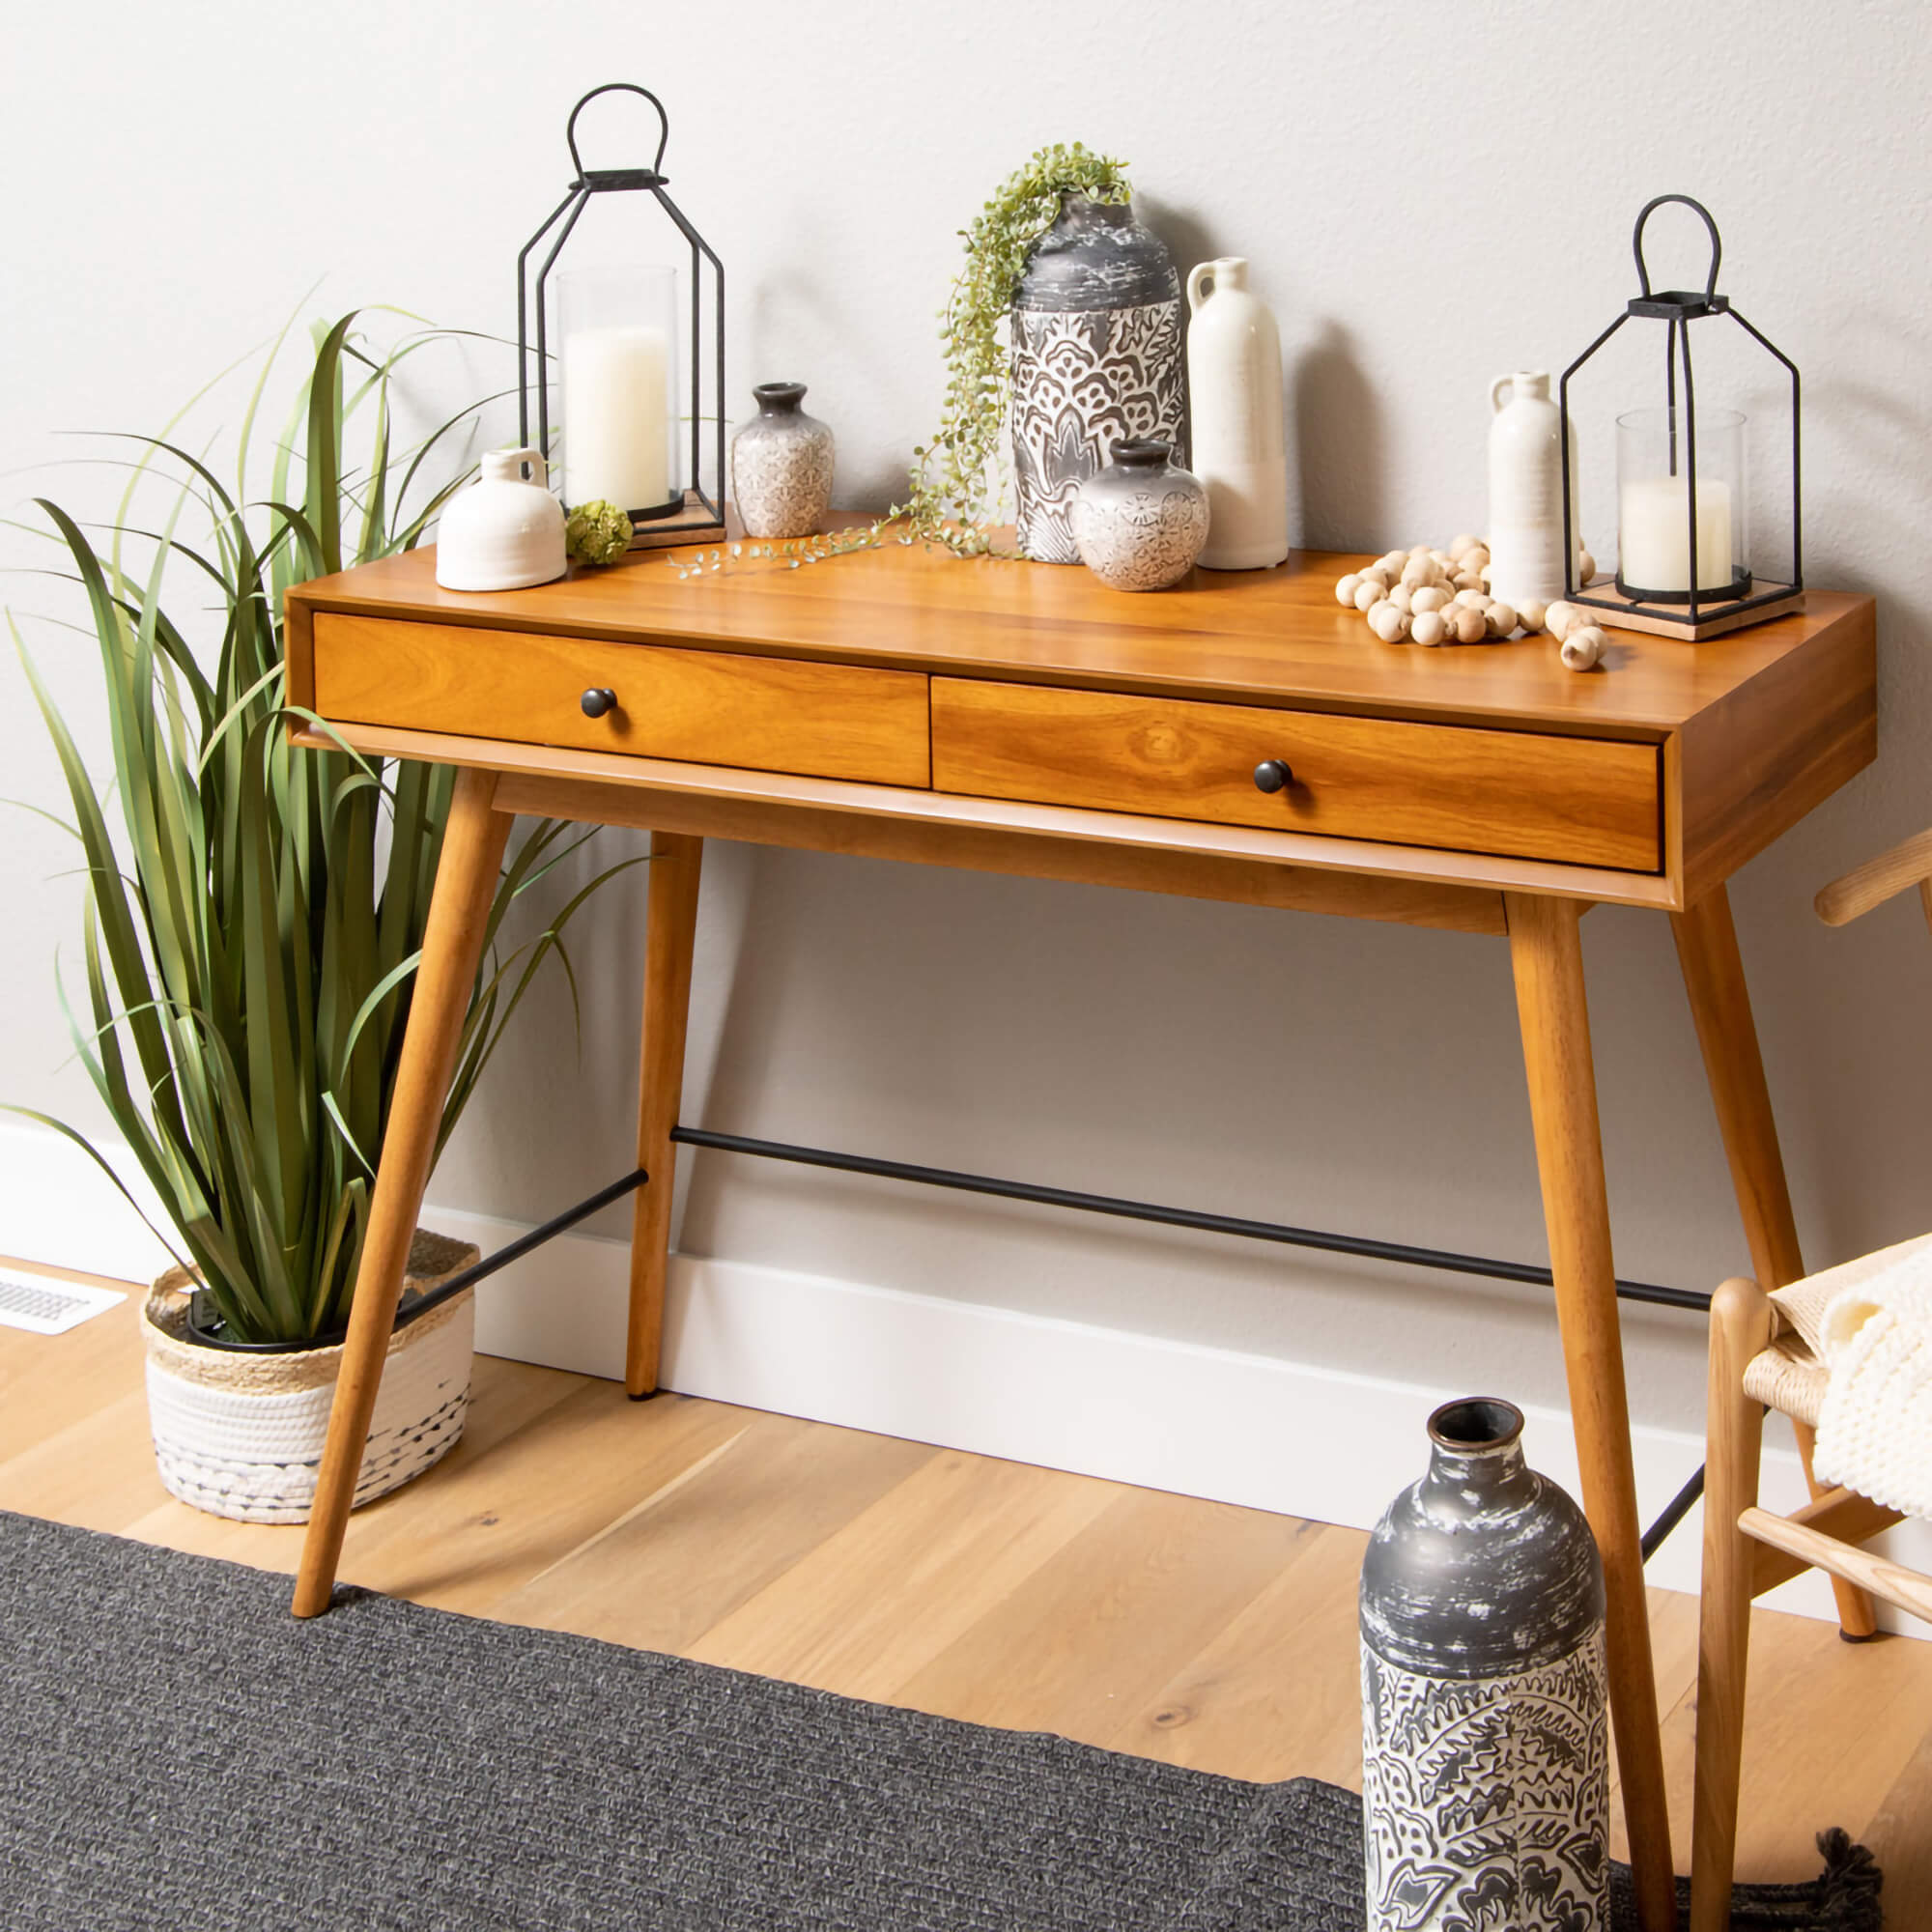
column 1200, row 1634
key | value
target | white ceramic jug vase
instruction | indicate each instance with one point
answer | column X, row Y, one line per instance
column 505, row 531
column 1233, row 384
column 1526, row 489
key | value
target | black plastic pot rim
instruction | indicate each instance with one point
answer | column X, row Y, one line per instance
column 205, row 1325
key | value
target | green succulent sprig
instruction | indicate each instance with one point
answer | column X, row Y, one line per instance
column 598, row 533
column 949, row 497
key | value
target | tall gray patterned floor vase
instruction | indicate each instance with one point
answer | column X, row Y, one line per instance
column 1097, row 359
column 1484, row 1733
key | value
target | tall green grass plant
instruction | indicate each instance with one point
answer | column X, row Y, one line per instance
column 254, row 911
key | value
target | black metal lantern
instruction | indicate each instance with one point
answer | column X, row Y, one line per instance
column 635, row 385
column 1679, row 572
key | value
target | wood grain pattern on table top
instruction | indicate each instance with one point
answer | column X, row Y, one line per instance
column 1538, row 795
column 1257, row 635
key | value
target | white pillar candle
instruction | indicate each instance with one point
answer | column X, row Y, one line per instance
column 616, row 427
column 1653, row 534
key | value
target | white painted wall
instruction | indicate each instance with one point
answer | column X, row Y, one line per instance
column 1429, row 196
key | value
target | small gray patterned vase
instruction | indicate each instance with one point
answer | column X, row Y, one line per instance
column 1484, row 1739
column 1140, row 523
column 781, row 466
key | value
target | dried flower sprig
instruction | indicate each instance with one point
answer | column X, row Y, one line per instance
column 791, row 550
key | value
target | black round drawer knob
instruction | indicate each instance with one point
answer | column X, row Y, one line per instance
column 1273, row 775
column 597, row 700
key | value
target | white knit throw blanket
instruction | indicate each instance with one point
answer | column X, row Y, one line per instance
column 1874, row 1335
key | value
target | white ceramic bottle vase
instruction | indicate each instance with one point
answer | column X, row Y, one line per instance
column 1233, row 384
column 1526, row 489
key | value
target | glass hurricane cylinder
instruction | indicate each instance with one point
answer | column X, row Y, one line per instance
column 1654, row 475
column 619, row 333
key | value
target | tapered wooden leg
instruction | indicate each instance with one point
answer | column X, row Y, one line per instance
column 1546, row 954
column 675, row 865
column 1714, row 978
column 1740, row 1328
column 459, row 912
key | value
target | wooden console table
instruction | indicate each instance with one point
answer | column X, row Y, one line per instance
column 1240, row 738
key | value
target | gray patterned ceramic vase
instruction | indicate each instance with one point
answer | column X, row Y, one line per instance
column 1096, row 360
column 781, row 466
column 1140, row 523
column 1484, row 1747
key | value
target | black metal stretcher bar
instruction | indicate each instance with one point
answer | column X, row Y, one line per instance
column 1673, row 1513
column 1171, row 1217
column 469, row 1277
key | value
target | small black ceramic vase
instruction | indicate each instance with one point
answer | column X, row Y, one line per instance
column 781, row 466
column 1140, row 523
column 1096, row 360
column 1484, row 1739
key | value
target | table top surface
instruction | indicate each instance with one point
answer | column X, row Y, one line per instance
column 1274, row 637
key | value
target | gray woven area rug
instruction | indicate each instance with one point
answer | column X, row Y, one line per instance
column 176, row 1751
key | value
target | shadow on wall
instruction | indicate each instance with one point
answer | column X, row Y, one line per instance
column 1333, row 421
column 1335, row 430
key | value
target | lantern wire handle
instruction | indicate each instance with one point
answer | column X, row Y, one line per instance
column 1650, row 208
column 664, row 122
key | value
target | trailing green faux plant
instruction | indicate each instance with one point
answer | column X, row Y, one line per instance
column 253, row 922
column 950, row 501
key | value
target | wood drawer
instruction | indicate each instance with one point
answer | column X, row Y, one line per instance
column 764, row 714
column 1523, row 794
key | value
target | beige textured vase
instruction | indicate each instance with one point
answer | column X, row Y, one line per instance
column 1238, row 448
column 239, row 1434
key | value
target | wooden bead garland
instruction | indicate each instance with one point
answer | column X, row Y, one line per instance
column 1429, row 597
column 1583, row 648
column 1389, row 622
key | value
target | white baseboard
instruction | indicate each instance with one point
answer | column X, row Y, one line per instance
column 1233, row 1426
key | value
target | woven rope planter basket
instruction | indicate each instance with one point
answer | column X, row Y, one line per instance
column 241, row 1434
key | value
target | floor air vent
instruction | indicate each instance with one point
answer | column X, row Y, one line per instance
column 45, row 1306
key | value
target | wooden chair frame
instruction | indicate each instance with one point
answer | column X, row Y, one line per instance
column 1748, row 1550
